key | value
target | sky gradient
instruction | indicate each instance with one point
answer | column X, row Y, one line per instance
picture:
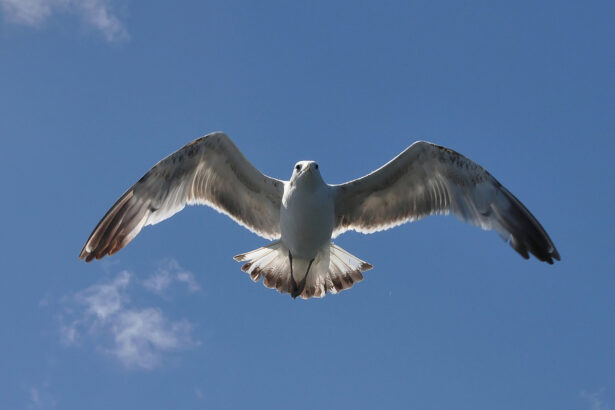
column 93, row 93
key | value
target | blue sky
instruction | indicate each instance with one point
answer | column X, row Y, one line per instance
column 93, row 93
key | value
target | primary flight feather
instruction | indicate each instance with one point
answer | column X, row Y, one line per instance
column 303, row 214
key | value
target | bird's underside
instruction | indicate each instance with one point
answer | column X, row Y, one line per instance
column 332, row 270
column 424, row 179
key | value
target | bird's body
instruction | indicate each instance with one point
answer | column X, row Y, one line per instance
column 303, row 214
column 307, row 214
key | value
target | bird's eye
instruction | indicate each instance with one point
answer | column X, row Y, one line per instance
column 316, row 166
column 298, row 167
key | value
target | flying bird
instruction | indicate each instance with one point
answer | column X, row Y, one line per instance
column 303, row 214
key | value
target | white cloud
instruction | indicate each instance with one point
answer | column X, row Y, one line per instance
column 106, row 299
column 69, row 333
column 137, row 337
column 96, row 13
column 168, row 272
column 35, row 397
column 158, row 282
column 595, row 400
column 188, row 279
column 141, row 335
column 39, row 398
column 31, row 12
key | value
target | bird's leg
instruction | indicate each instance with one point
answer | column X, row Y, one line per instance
column 302, row 283
column 292, row 284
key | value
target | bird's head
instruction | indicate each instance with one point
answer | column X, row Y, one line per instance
column 306, row 172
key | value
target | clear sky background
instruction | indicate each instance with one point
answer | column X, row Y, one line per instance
column 93, row 93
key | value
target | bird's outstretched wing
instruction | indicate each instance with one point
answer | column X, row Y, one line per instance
column 429, row 179
column 209, row 171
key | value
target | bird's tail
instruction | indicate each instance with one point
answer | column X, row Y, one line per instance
column 332, row 270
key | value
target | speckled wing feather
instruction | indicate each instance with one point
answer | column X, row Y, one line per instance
column 429, row 179
column 209, row 171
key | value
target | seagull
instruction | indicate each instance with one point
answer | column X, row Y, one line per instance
column 302, row 215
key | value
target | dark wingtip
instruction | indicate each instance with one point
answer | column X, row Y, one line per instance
column 556, row 254
column 365, row 266
column 84, row 253
column 552, row 254
column 527, row 236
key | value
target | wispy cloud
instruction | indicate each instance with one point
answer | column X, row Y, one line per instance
column 137, row 337
column 105, row 299
column 595, row 400
column 167, row 273
column 96, row 13
column 39, row 398
column 35, row 397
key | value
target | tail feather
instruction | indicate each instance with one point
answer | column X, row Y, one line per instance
column 332, row 270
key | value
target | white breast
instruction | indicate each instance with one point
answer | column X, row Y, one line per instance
column 306, row 219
